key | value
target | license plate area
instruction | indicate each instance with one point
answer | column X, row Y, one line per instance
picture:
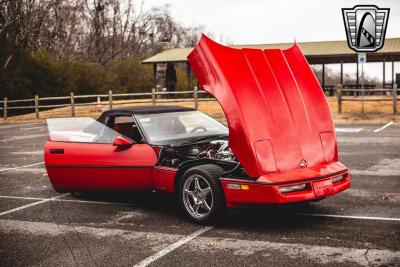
column 323, row 188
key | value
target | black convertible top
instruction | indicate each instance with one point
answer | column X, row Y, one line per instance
column 133, row 110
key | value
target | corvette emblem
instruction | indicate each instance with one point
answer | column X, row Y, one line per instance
column 303, row 163
column 365, row 27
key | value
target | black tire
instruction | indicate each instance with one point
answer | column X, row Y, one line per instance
column 61, row 191
column 210, row 173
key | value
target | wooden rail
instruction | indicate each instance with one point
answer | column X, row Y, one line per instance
column 36, row 103
column 155, row 97
column 392, row 97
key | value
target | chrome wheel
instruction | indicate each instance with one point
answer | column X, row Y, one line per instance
column 197, row 196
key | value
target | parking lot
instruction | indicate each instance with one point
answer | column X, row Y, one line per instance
column 359, row 227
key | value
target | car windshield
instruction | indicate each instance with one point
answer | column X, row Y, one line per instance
column 170, row 127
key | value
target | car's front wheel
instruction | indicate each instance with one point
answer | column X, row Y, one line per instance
column 200, row 193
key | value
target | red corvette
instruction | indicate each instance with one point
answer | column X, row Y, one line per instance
column 281, row 146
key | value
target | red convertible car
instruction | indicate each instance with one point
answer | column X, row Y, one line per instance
column 279, row 146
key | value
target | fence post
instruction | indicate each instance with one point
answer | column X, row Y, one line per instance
column 339, row 97
column 196, row 97
column 72, row 105
column 153, row 96
column 395, row 99
column 5, row 108
column 37, row 106
column 110, row 99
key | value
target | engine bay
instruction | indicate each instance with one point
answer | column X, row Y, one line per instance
column 216, row 149
column 172, row 156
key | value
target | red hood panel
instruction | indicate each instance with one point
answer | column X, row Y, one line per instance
column 274, row 105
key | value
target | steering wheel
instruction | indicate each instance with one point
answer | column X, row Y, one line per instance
column 198, row 128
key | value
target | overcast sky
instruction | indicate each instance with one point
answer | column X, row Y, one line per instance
column 274, row 21
column 263, row 21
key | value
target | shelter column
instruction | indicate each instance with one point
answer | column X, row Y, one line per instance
column 155, row 74
column 323, row 77
column 189, row 76
column 341, row 73
column 384, row 73
column 392, row 74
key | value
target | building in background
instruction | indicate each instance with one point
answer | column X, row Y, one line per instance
column 317, row 53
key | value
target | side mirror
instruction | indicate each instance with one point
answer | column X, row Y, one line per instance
column 121, row 141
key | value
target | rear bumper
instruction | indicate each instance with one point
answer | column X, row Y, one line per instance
column 239, row 193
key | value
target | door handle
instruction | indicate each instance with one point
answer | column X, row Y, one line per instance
column 56, row 151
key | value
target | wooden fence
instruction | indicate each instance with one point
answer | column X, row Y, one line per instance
column 389, row 95
column 155, row 97
column 36, row 104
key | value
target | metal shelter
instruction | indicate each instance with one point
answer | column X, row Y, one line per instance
column 317, row 53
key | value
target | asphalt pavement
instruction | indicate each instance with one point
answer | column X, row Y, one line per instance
column 358, row 227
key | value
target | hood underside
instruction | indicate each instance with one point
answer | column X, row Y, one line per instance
column 277, row 114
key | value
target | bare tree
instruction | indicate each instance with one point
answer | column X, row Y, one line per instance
column 95, row 30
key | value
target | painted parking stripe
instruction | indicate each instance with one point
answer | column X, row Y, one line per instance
column 19, row 167
column 77, row 201
column 54, row 229
column 23, row 137
column 383, row 127
column 349, row 217
column 8, row 126
column 348, row 130
column 37, row 152
column 168, row 249
column 31, row 128
column 31, row 205
column 172, row 247
column 25, row 198
column 131, row 204
column 213, row 246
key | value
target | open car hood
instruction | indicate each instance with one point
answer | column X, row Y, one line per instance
column 277, row 113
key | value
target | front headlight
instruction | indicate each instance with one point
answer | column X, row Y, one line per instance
column 292, row 188
column 338, row 178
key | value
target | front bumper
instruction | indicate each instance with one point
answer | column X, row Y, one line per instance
column 239, row 193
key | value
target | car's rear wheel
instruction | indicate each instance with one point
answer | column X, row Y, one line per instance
column 200, row 193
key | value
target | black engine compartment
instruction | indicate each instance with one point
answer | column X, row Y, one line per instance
column 215, row 152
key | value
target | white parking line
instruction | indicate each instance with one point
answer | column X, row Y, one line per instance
column 23, row 137
column 31, row 205
column 348, row 130
column 37, row 152
column 8, row 126
column 172, row 247
column 383, row 127
column 15, row 168
column 132, row 204
column 350, row 217
column 168, row 249
column 76, row 201
column 31, row 128
column 25, row 198
column 332, row 254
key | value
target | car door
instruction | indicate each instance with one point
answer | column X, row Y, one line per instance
column 81, row 156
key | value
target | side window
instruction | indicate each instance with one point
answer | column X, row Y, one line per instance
column 126, row 126
column 80, row 130
column 89, row 130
